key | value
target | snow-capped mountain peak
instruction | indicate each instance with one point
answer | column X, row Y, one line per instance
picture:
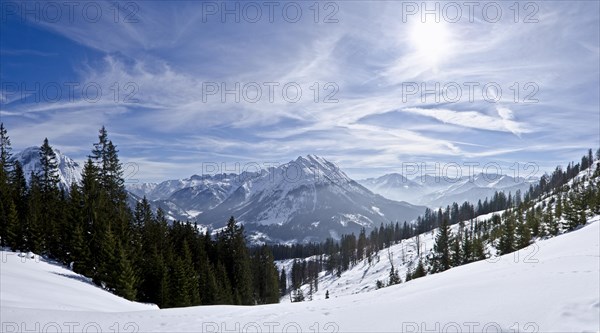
column 69, row 171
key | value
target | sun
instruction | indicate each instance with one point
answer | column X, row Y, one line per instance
column 431, row 41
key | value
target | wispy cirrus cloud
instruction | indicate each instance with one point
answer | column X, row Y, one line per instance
column 472, row 119
column 170, row 52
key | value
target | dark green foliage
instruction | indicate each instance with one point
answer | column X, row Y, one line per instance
column 523, row 235
column 507, row 239
column 441, row 250
column 575, row 208
column 265, row 277
column 394, row 278
column 126, row 279
column 233, row 250
column 283, row 283
column 419, row 271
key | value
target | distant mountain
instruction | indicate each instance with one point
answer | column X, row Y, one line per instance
column 396, row 187
column 308, row 199
column 440, row 191
column 69, row 171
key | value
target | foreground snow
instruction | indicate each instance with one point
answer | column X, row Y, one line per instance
column 30, row 282
column 551, row 288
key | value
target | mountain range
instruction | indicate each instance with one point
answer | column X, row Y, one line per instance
column 433, row 191
column 307, row 199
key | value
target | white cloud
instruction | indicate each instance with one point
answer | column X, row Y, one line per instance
column 474, row 119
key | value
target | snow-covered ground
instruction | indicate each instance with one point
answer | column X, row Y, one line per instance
column 554, row 287
column 30, row 282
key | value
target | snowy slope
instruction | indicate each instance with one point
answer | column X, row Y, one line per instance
column 30, row 282
column 557, row 290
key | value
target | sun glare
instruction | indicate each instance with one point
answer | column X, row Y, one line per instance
column 431, row 41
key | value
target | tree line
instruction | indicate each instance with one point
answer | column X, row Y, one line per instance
column 551, row 207
column 523, row 220
column 134, row 253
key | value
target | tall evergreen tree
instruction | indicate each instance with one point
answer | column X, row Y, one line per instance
column 126, row 279
column 5, row 198
column 507, row 238
column 237, row 261
column 283, row 283
column 441, row 251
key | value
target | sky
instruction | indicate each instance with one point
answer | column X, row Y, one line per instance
column 373, row 86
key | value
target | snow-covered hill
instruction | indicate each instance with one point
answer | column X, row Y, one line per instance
column 33, row 283
column 69, row 171
column 556, row 290
column 441, row 191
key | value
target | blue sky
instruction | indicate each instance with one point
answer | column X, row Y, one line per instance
column 156, row 61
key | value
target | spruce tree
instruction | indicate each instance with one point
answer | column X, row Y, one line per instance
column 441, row 256
column 20, row 199
column 5, row 199
column 394, row 278
column 523, row 235
column 507, row 238
column 126, row 279
column 283, row 283
column 575, row 209
column 34, row 233
column 237, row 262
column 419, row 271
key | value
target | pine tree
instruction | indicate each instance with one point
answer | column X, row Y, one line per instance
column 456, row 251
column 298, row 295
column 180, row 289
column 20, row 199
column 49, row 168
column 224, row 295
column 126, row 280
column 283, row 283
column 104, row 273
column 441, row 258
column 419, row 271
column 5, row 199
column 551, row 224
column 5, row 149
column 12, row 227
column 34, row 233
column 478, row 249
column 558, row 211
column 394, row 278
column 507, row 238
column 237, row 261
column 467, row 249
column 575, row 209
column 523, row 235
